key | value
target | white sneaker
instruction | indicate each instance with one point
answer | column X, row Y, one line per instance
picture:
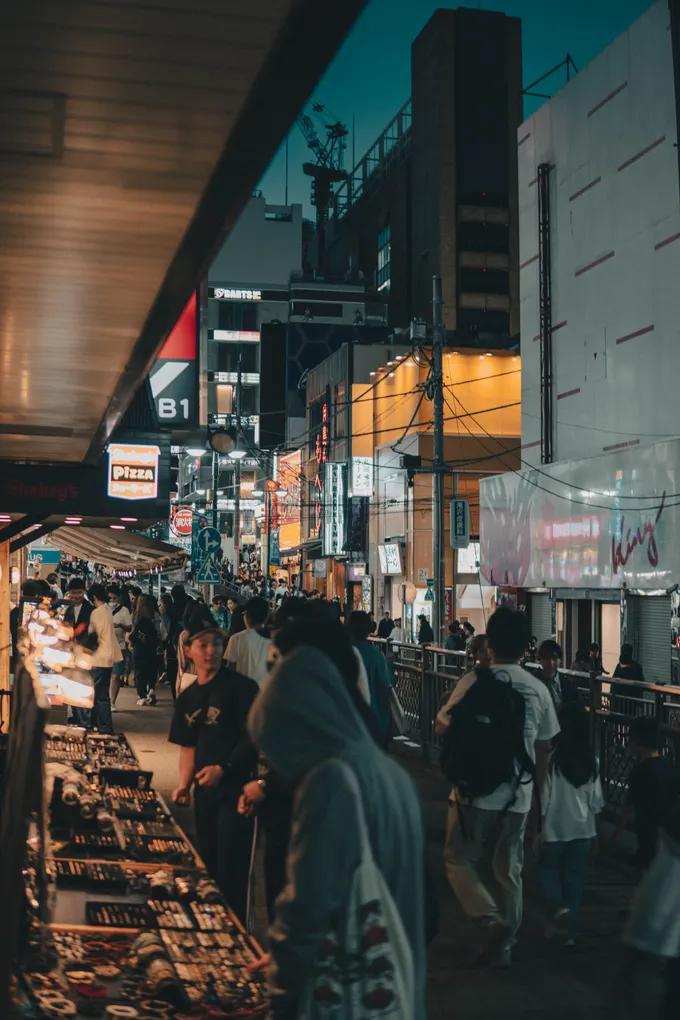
column 142, row 701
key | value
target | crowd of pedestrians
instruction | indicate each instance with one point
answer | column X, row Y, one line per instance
column 283, row 719
column 301, row 704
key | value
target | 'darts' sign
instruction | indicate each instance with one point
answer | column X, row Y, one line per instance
column 133, row 471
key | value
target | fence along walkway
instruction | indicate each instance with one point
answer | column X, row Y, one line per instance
column 423, row 676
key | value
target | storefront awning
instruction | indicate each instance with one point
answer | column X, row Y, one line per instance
column 122, row 550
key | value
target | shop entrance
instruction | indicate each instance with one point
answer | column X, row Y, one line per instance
column 580, row 622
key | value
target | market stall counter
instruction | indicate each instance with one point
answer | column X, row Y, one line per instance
column 120, row 918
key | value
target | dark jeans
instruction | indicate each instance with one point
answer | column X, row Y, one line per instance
column 171, row 665
column 145, row 675
column 101, row 713
column 561, row 875
column 225, row 841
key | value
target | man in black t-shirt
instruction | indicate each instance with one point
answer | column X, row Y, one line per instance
column 218, row 758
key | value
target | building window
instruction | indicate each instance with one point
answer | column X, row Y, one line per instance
column 237, row 315
column 384, row 247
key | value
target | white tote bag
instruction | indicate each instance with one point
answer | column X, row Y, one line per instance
column 364, row 971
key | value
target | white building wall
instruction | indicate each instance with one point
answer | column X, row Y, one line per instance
column 610, row 136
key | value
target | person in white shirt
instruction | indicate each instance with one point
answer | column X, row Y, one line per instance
column 398, row 634
column 122, row 625
column 490, row 830
column 571, row 799
column 247, row 651
column 106, row 653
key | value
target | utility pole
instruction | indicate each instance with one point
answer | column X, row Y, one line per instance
column 237, row 477
column 439, row 468
column 215, row 483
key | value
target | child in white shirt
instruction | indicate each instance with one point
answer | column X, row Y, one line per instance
column 571, row 799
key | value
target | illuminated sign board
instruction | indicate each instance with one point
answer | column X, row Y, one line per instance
column 321, row 443
column 362, row 476
column 333, row 510
column 229, row 294
column 174, row 374
column 133, row 471
column 181, row 520
column 235, row 336
column 390, row 559
column 290, row 505
column 249, row 378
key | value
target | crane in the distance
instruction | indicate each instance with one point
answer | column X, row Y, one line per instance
column 329, row 167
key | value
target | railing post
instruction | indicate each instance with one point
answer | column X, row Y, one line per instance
column 595, row 707
column 423, row 702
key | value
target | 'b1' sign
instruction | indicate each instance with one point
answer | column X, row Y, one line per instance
column 174, row 376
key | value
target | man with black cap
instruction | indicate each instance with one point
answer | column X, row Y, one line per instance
column 217, row 758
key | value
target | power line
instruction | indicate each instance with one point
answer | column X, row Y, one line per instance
column 557, row 495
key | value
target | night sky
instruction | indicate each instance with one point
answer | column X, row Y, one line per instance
column 370, row 78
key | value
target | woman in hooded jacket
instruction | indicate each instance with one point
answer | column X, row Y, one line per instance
column 305, row 723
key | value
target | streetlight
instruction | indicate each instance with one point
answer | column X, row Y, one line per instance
column 237, row 454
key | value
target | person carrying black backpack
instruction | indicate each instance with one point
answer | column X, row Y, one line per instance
column 497, row 727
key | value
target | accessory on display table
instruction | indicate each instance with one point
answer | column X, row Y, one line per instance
column 143, row 848
column 81, row 874
column 118, row 915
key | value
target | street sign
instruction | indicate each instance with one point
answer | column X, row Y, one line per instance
column 209, row 541
column 460, row 523
column 429, row 594
column 209, row 572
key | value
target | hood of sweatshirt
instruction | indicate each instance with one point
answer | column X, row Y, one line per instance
column 304, row 715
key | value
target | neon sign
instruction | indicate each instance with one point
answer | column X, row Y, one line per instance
column 133, row 471
column 321, row 452
column 621, row 554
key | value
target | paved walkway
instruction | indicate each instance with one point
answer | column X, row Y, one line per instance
column 543, row 982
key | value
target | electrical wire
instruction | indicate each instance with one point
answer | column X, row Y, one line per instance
column 557, row 495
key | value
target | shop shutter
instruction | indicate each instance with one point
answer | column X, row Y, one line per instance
column 540, row 607
column 653, row 614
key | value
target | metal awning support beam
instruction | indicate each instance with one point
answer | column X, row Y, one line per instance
column 32, row 536
column 23, row 524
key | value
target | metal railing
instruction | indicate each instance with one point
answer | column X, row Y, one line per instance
column 386, row 153
column 424, row 676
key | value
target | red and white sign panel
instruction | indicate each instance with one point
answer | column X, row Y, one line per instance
column 174, row 376
column 181, row 521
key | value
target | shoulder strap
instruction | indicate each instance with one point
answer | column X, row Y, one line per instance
column 353, row 783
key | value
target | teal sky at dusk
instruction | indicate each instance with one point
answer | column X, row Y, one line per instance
column 370, row 78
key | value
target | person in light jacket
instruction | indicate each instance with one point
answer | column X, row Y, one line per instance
column 305, row 724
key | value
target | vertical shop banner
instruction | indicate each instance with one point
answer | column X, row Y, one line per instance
column 174, row 374
column 333, row 510
column 274, row 548
column 290, row 505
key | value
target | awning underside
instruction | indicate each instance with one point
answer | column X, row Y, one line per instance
column 122, row 550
